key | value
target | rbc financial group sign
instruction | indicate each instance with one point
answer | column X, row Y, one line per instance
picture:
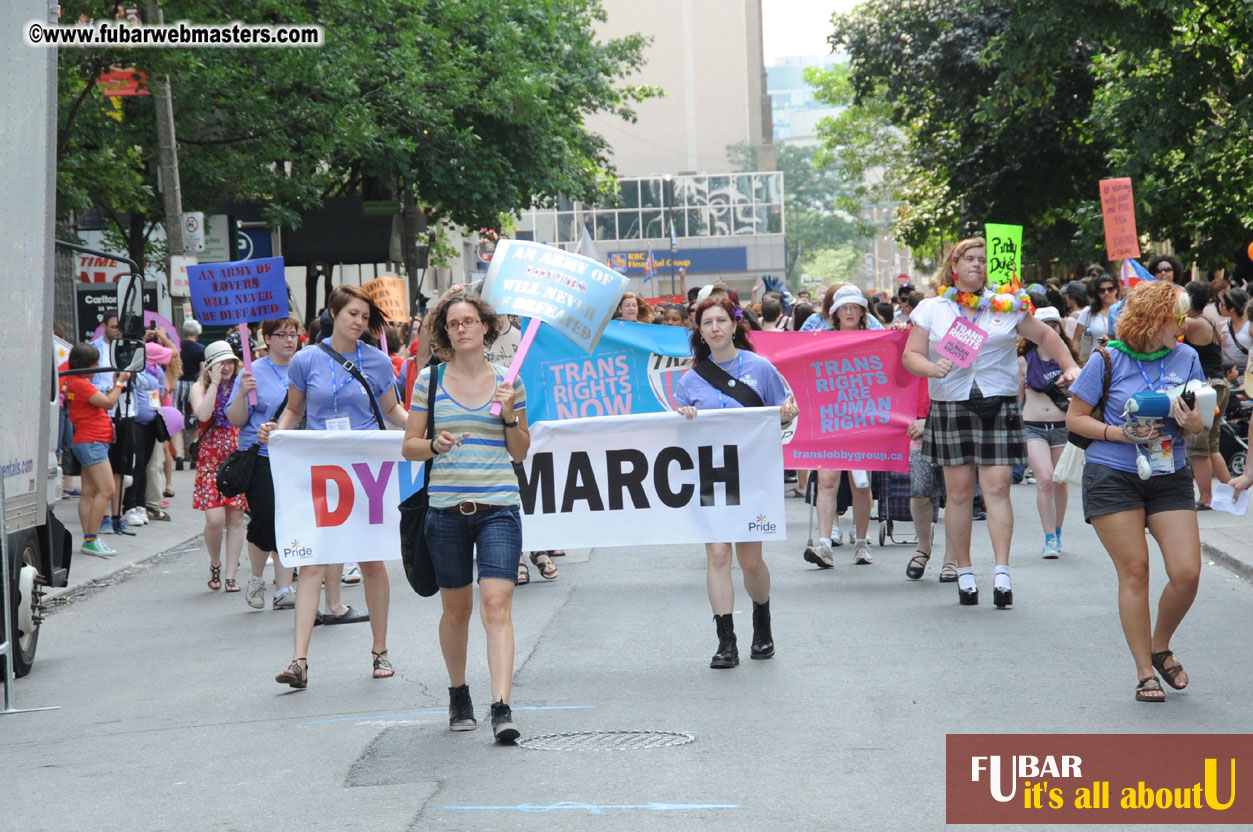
column 695, row 260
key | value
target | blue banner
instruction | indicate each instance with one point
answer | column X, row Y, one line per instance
column 223, row 294
column 695, row 260
column 633, row 369
column 575, row 294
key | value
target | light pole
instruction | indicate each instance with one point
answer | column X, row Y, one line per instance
column 667, row 214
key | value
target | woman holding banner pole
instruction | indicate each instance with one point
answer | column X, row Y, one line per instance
column 847, row 309
column 474, row 505
column 721, row 347
column 976, row 424
column 323, row 388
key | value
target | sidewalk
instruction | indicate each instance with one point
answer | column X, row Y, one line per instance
column 1226, row 538
column 150, row 540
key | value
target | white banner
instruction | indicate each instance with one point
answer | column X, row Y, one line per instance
column 654, row 478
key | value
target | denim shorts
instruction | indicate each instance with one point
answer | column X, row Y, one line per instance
column 454, row 539
column 91, row 453
column 1054, row 433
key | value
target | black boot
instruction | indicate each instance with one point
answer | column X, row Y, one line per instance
column 727, row 655
column 461, row 709
column 763, row 641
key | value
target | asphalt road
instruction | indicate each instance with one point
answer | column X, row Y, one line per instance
column 169, row 718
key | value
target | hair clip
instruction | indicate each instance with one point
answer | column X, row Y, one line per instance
column 739, row 313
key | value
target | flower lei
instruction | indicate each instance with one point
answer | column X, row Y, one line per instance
column 1015, row 300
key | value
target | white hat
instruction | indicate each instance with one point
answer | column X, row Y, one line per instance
column 1048, row 313
column 217, row 352
column 706, row 291
column 848, row 294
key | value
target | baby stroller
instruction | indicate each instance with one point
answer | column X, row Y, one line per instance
column 1233, row 448
column 894, row 490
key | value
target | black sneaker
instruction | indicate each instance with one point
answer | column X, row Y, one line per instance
column 461, row 710
column 502, row 724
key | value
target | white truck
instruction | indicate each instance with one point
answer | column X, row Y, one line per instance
column 39, row 547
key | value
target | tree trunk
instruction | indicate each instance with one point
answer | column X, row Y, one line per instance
column 135, row 240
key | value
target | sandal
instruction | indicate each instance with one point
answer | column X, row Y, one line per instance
column 547, row 568
column 524, row 574
column 917, row 565
column 168, row 493
column 215, row 578
column 232, row 585
column 1148, row 685
column 948, row 573
column 382, row 667
column 1168, row 673
column 795, row 492
column 558, row 553
column 158, row 514
column 295, row 675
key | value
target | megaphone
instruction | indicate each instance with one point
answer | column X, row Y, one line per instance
column 1151, row 406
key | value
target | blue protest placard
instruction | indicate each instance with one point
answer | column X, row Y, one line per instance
column 576, row 295
column 223, row 294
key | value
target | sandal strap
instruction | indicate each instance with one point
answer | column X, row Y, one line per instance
column 1159, row 661
column 921, row 556
column 1150, row 683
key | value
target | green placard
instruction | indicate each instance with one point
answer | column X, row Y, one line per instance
column 1004, row 252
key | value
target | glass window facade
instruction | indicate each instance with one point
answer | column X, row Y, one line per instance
column 721, row 205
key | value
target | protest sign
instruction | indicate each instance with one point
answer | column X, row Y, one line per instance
column 962, row 343
column 391, row 296
column 238, row 292
column 1004, row 252
column 854, row 395
column 624, row 481
column 574, row 294
column 1118, row 211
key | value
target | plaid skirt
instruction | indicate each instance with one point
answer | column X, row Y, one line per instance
column 955, row 435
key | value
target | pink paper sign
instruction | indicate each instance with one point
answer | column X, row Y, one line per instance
column 962, row 343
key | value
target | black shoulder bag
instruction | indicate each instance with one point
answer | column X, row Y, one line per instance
column 236, row 471
column 414, row 553
column 1098, row 412
column 724, row 381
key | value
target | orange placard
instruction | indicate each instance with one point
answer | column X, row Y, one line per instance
column 1118, row 209
column 391, row 296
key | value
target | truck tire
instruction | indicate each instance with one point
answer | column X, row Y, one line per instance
column 24, row 610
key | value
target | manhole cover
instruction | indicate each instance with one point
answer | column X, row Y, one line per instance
column 606, row 740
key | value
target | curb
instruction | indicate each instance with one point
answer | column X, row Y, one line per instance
column 1233, row 564
column 68, row 593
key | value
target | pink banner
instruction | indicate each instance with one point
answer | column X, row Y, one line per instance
column 855, row 396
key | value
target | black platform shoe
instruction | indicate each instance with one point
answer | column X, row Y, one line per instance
column 728, row 655
column 763, row 641
column 1002, row 598
column 968, row 599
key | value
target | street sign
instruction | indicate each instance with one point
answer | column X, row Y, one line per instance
column 193, row 231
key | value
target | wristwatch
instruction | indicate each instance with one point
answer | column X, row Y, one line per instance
column 512, row 424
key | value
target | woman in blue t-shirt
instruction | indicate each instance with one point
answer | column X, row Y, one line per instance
column 269, row 379
column 720, row 336
column 1117, row 500
column 325, row 393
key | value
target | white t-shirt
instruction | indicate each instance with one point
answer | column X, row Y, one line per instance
column 996, row 365
column 1096, row 326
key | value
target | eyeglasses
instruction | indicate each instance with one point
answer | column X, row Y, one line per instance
column 468, row 323
column 1163, row 268
column 286, row 335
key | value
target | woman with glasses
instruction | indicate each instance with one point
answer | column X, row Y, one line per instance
column 269, row 379
column 475, row 506
column 974, row 421
column 1093, row 328
column 1166, row 267
column 1119, row 504
column 321, row 390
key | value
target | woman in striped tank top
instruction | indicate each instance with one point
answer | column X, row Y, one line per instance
column 474, row 500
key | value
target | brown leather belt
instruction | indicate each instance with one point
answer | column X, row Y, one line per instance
column 469, row 507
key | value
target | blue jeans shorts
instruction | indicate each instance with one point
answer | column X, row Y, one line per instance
column 91, row 453
column 454, row 539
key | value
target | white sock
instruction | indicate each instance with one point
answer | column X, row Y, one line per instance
column 825, row 541
column 966, row 579
column 1000, row 578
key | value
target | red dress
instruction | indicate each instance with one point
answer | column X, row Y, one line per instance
column 216, row 444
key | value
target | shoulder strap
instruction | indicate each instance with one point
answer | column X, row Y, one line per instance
column 1099, row 410
column 355, row 373
column 722, row 380
column 1232, row 331
column 432, row 383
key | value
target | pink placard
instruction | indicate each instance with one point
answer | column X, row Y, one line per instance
column 962, row 343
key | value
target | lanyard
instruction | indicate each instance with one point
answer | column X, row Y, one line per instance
column 336, row 388
column 739, row 368
column 283, row 382
column 1161, row 374
column 972, row 321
